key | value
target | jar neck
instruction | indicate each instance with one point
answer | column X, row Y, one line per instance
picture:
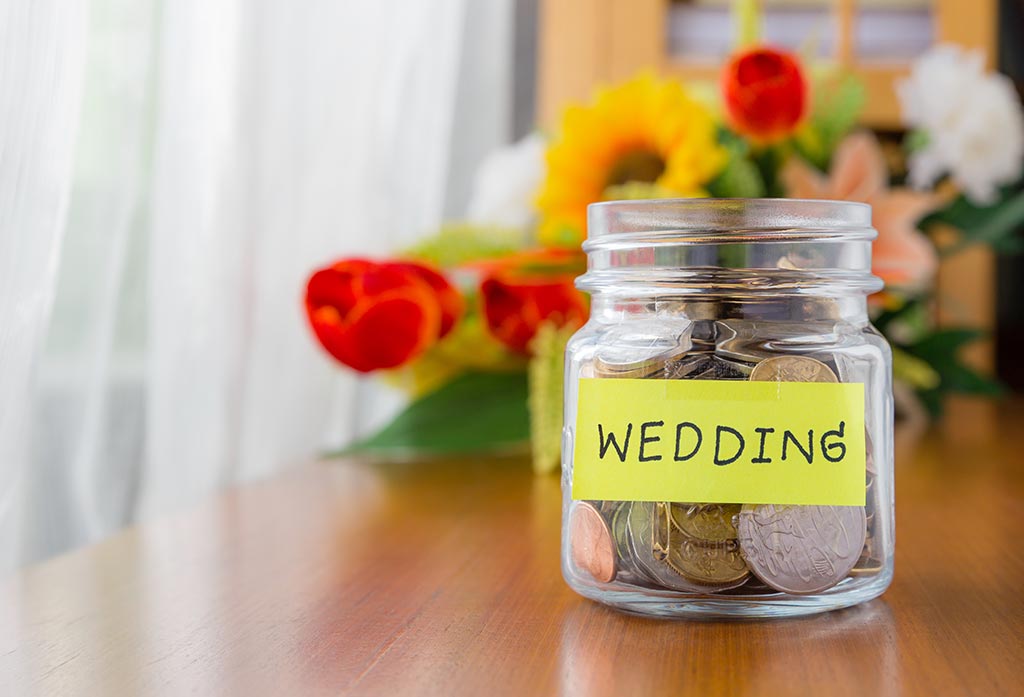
column 762, row 307
column 758, row 251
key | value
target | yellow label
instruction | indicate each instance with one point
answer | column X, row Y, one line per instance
column 719, row 441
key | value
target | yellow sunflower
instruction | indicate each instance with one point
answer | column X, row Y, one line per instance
column 645, row 132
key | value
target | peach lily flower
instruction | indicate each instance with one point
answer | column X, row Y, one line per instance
column 903, row 255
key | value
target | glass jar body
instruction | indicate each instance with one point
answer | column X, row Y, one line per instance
column 727, row 445
column 723, row 338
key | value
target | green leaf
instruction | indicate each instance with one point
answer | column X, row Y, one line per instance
column 997, row 225
column 959, row 378
column 916, row 140
column 913, row 370
column 836, row 107
column 474, row 413
column 769, row 163
column 747, row 21
column 946, row 342
column 739, row 179
column 912, row 316
column 941, row 351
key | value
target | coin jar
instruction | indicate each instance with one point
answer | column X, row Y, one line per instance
column 727, row 448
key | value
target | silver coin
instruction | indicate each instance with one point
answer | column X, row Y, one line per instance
column 801, row 549
column 869, row 450
column 628, row 570
column 640, row 349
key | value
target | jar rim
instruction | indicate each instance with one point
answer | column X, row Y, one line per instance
column 737, row 246
column 754, row 217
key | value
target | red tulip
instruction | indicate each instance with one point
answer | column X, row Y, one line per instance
column 449, row 298
column 373, row 316
column 516, row 304
column 765, row 93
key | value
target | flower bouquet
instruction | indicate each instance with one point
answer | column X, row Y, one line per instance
column 473, row 321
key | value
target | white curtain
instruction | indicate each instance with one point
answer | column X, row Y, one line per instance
column 170, row 172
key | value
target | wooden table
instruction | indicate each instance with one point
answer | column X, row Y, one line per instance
column 444, row 579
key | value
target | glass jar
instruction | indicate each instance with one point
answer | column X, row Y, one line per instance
column 727, row 448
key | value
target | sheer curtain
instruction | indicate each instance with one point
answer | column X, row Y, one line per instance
column 170, row 173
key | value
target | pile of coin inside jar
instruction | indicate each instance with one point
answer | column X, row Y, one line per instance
column 707, row 548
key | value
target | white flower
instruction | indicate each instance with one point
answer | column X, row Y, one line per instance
column 973, row 122
column 506, row 184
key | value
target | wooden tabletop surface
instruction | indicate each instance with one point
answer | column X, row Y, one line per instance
column 443, row 579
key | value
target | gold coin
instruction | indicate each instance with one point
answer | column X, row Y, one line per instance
column 792, row 369
column 710, row 522
column 713, row 565
column 707, row 563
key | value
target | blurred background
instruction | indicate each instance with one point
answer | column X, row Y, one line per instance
column 172, row 171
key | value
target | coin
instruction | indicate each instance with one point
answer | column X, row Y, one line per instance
column 751, row 586
column 792, row 369
column 640, row 349
column 593, row 549
column 801, row 549
column 869, row 453
column 642, row 548
column 711, row 522
column 641, row 369
column 704, row 366
column 699, row 309
column 627, row 570
column 708, row 563
column 870, row 493
column 869, row 563
column 815, row 309
column 717, row 564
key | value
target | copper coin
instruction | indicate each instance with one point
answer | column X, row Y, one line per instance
column 593, row 549
column 801, row 549
column 792, row 369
